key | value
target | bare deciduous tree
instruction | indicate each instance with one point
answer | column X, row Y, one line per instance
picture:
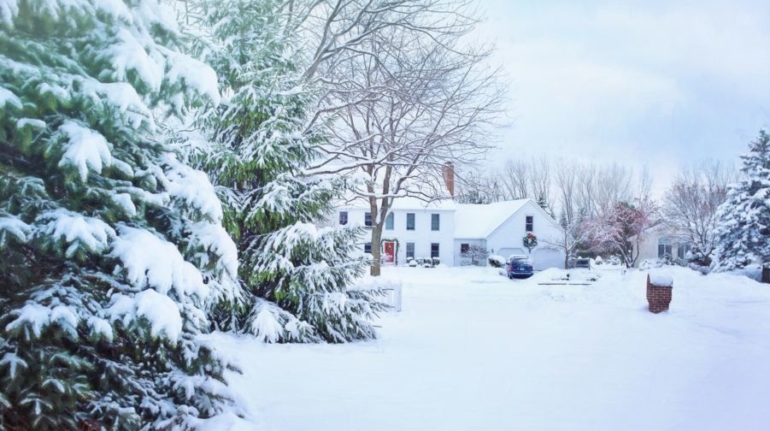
column 411, row 102
column 690, row 206
column 514, row 179
column 623, row 228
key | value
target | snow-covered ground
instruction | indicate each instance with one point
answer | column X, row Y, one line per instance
column 475, row 351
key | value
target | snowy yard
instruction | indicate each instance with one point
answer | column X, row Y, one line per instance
column 475, row 351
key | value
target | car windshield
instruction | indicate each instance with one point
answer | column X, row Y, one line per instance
column 523, row 260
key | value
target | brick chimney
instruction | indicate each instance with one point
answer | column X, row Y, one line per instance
column 448, row 172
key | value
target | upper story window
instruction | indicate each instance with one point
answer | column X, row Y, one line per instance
column 530, row 224
column 343, row 217
column 368, row 247
column 410, row 221
column 434, row 222
column 368, row 219
column 389, row 222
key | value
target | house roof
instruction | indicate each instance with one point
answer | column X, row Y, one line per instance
column 408, row 203
column 479, row 221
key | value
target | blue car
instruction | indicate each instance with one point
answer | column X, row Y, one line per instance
column 519, row 266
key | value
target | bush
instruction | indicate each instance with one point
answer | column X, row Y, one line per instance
column 496, row 261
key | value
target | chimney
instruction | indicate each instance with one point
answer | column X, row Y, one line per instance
column 448, row 172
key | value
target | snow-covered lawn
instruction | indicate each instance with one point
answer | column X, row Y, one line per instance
column 475, row 351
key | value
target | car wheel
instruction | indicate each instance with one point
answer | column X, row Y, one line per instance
column 510, row 275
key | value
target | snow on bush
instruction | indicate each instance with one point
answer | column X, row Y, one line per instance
column 496, row 260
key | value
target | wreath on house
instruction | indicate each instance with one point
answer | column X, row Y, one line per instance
column 529, row 241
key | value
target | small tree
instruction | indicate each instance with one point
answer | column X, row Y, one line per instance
column 743, row 227
column 476, row 253
column 622, row 229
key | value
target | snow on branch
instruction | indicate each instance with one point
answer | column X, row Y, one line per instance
column 85, row 149
column 149, row 261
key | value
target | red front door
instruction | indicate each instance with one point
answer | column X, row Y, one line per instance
column 390, row 252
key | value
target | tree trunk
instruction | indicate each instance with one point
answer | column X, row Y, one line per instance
column 376, row 248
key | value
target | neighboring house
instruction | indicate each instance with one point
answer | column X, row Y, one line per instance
column 445, row 229
column 658, row 243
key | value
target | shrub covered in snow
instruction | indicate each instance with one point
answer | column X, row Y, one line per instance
column 110, row 248
column 496, row 261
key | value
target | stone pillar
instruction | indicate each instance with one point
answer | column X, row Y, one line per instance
column 659, row 295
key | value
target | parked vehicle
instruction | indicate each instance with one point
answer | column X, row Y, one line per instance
column 519, row 266
column 583, row 263
column 579, row 262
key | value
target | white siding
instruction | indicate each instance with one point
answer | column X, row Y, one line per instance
column 422, row 236
column 508, row 237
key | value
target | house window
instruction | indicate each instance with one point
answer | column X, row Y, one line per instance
column 530, row 224
column 410, row 250
column 682, row 251
column 368, row 219
column 434, row 222
column 389, row 222
column 664, row 248
column 434, row 249
column 410, row 221
column 464, row 248
column 343, row 217
column 368, row 247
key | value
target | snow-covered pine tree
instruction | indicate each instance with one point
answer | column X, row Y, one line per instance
column 743, row 229
column 109, row 246
column 295, row 276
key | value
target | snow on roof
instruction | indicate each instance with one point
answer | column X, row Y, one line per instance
column 479, row 221
column 408, row 203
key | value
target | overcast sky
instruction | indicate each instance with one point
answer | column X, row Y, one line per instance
column 652, row 82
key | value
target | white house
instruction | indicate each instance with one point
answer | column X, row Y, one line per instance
column 413, row 229
column 445, row 229
column 658, row 243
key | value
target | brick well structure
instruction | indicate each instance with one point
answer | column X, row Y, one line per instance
column 658, row 297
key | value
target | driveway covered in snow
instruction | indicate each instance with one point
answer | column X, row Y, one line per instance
column 475, row 351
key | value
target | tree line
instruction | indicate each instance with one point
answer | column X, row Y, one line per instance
column 608, row 209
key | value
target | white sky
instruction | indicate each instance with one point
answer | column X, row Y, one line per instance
column 650, row 83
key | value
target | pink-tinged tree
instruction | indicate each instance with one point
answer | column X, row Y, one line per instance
column 622, row 228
